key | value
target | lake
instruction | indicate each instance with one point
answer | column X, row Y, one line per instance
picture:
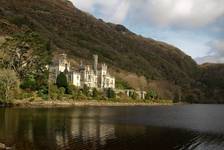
column 179, row 127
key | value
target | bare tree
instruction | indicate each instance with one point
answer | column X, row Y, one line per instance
column 8, row 84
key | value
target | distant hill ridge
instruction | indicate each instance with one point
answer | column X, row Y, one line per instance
column 165, row 67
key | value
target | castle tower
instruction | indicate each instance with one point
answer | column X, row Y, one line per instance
column 103, row 74
column 95, row 64
column 104, row 70
column 63, row 63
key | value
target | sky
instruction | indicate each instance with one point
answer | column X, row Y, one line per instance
column 194, row 26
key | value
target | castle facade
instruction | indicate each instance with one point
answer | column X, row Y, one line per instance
column 93, row 76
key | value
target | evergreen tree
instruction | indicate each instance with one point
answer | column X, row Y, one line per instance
column 111, row 93
column 62, row 81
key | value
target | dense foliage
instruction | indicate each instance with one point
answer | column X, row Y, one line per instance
column 151, row 94
column 212, row 79
column 26, row 53
column 121, row 84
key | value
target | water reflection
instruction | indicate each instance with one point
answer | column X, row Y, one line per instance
column 97, row 128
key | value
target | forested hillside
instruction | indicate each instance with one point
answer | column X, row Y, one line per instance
column 163, row 67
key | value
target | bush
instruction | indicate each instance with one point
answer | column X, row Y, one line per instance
column 53, row 92
column 72, row 90
column 134, row 95
column 85, row 90
column 29, row 83
column 123, row 97
column 25, row 95
column 110, row 93
column 61, row 91
column 81, row 96
column 44, row 96
column 151, row 95
column 121, row 84
column 43, row 93
column 95, row 94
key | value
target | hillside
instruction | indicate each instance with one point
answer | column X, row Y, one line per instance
column 212, row 77
column 81, row 35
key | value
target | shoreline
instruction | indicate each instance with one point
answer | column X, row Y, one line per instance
column 46, row 104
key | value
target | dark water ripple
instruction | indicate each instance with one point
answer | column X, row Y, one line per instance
column 183, row 127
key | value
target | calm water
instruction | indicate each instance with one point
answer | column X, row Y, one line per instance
column 190, row 127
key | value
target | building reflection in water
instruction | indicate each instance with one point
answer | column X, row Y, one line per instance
column 84, row 128
column 54, row 128
column 91, row 128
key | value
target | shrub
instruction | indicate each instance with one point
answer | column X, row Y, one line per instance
column 81, row 96
column 72, row 90
column 53, row 91
column 121, row 84
column 134, row 95
column 95, row 93
column 85, row 90
column 151, row 95
column 24, row 95
column 123, row 97
column 61, row 91
column 110, row 93
column 43, row 92
column 29, row 83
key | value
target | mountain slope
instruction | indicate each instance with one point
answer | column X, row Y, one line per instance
column 81, row 35
column 212, row 77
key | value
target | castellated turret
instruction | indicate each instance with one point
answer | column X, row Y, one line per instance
column 104, row 70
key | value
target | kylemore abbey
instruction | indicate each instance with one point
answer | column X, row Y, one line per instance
column 93, row 76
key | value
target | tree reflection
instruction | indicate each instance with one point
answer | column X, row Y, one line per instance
column 91, row 128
